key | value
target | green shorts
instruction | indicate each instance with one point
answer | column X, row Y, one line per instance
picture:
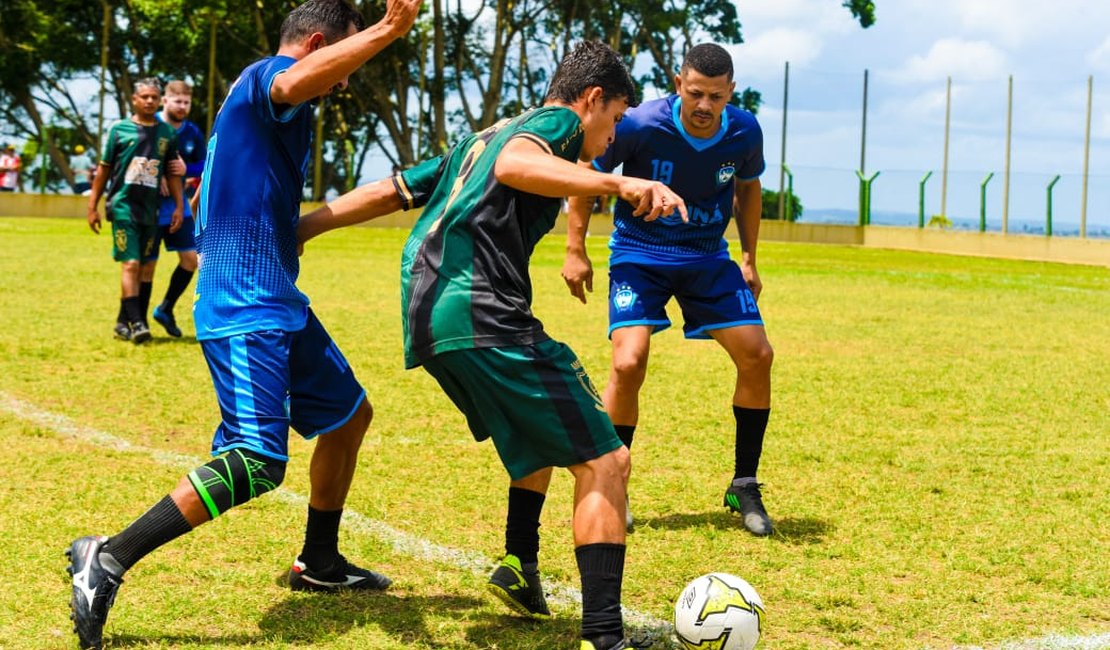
column 133, row 242
column 535, row 401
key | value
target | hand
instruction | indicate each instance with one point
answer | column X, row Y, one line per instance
column 401, row 14
column 163, row 187
column 651, row 199
column 176, row 219
column 176, row 167
column 93, row 218
column 751, row 276
column 578, row 273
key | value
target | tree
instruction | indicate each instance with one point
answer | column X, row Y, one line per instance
column 771, row 205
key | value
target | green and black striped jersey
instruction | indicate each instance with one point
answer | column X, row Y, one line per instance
column 464, row 270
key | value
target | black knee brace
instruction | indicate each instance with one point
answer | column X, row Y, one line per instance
column 235, row 478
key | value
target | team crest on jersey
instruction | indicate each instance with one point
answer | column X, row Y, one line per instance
column 189, row 146
column 726, row 172
column 163, row 143
column 624, row 297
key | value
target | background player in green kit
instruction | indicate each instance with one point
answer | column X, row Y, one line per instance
column 133, row 161
column 466, row 305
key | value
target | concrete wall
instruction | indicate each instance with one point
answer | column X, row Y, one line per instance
column 1072, row 250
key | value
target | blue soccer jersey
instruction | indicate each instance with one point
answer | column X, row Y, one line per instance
column 246, row 224
column 651, row 143
column 190, row 144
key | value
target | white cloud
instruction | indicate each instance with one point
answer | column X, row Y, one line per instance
column 765, row 53
column 966, row 60
column 1099, row 58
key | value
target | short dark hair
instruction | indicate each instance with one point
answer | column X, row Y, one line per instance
column 332, row 18
column 592, row 63
column 149, row 82
column 709, row 59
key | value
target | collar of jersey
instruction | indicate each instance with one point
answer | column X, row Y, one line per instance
column 699, row 144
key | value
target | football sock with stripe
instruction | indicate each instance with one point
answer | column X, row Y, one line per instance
column 751, row 424
column 321, row 538
column 601, row 567
column 522, row 526
column 157, row 526
column 625, row 433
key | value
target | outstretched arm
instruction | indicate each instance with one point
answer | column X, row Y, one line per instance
column 524, row 165
column 363, row 203
column 317, row 73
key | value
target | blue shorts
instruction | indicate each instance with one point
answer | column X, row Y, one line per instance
column 267, row 381
column 182, row 240
column 712, row 294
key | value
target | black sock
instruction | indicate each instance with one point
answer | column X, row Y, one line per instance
column 179, row 282
column 122, row 317
column 522, row 525
column 751, row 424
column 145, row 289
column 132, row 313
column 602, row 569
column 625, row 432
column 162, row 523
column 321, row 538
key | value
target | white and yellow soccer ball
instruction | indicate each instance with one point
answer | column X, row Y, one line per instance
column 718, row 611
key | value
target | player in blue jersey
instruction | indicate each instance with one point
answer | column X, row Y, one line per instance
column 711, row 154
column 176, row 103
column 273, row 364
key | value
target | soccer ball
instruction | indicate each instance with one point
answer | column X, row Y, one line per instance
column 718, row 611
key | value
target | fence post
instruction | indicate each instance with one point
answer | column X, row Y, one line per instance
column 865, row 197
column 789, row 211
column 921, row 200
column 983, row 202
column 1048, row 211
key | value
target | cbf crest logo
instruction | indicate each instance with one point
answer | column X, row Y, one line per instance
column 624, row 298
column 726, row 172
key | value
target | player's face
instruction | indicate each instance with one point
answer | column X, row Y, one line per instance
column 600, row 126
column 178, row 106
column 703, row 100
column 145, row 101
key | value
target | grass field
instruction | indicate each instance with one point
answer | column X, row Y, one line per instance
column 938, row 460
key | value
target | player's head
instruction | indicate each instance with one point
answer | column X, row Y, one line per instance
column 705, row 86
column 594, row 81
column 318, row 23
column 177, row 101
column 146, row 97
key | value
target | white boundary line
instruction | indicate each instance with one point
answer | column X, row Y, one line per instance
column 562, row 596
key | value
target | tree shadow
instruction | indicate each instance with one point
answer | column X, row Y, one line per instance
column 788, row 530
column 164, row 340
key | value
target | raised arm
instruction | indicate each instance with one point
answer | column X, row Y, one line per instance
column 316, row 74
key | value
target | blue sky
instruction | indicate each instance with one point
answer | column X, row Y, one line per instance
column 1049, row 49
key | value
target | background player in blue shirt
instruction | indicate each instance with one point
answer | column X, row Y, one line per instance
column 176, row 103
column 711, row 154
column 273, row 364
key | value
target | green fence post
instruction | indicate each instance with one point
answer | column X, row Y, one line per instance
column 1048, row 211
column 983, row 202
column 921, row 200
column 789, row 212
column 865, row 197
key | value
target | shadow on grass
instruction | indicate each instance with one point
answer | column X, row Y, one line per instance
column 407, row 619
column 788, row 530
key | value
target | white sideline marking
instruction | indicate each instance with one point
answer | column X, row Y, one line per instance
column 560, row 596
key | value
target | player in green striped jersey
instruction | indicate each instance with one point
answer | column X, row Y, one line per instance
column 466, row 308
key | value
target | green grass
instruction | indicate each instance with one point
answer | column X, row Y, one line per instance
column 938, row 460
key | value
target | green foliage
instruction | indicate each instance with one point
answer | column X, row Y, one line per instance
column 863, row 10
column 939, row 221
column 750, row 100
column 771, row 206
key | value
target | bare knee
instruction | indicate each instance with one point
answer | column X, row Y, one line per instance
column 629, row 367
